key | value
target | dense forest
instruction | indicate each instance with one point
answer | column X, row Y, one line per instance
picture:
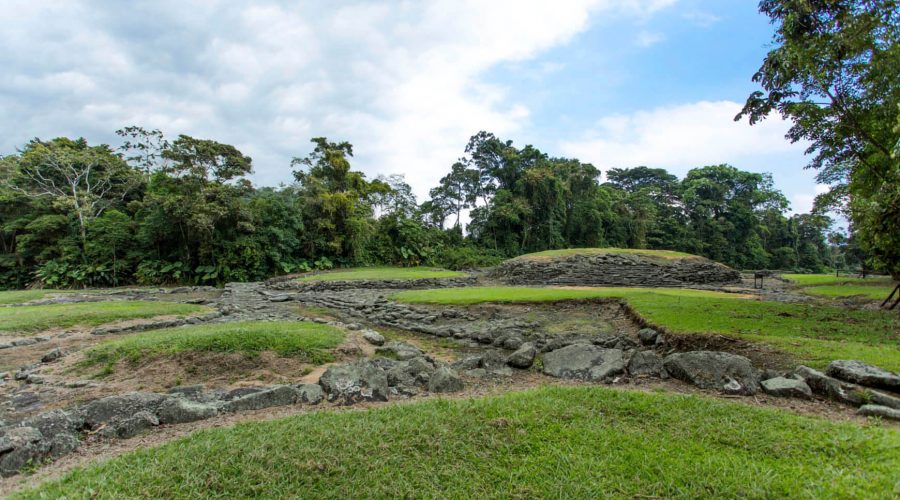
column 153, row 211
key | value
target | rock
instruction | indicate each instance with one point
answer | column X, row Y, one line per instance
column 63, row 444
column 279, row 395
column 492, row 361
column 192, row 392
column 373, row 337
column 786, row 388
column 280, row 298
column 55, row 422
column 354, row 326
column 468, row 363
column 523, row 357
column 513, row 342
column 19, row 447
column 399, row 350
column 645, row 363
column 445, row 379
column 52, row 355
column 354, row 382
column 584, row 362
column 864, row 374
column 878, row 411
column 120, row 407
column 648, row 336
column 180, row 411
column 311, row 394
column 728, row 373
column 132, row 426
column 240, row 392
column 830, row 387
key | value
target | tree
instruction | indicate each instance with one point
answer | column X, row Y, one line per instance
column 833, row 73
column 143, row 149
column 458, row 190
column 86, row 179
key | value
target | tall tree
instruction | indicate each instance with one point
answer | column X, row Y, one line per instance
column 833, row 73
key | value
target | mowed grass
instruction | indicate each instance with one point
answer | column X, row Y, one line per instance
column 20, row 296
column 815, row 334
column 551, row 442
column 311, row 341
column 382, row 273
column 835, row 287
column 667, row 254
column 30, row 319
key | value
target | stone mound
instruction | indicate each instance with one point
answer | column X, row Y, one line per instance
column 595, row 267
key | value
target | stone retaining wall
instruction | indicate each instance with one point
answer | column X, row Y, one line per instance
column 325, row 286
column 615, row 269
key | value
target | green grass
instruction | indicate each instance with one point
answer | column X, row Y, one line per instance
column 20, row 296
column 552, row 442
column 310, row 341
column 835, row 287
column 815, row 334
column 382, row 273
column 28, row 319
column 667, row 254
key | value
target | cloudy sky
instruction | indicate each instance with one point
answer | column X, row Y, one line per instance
column 617, row 83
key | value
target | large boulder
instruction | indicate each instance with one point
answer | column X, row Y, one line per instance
column 721, row 371
column 399, row 350
column 311, row 394
column 180, row 411
column 21, row 446
column 879, row 411
column 844, row 392
column 786, row 388
column 132, row 426
column 584, row 362
column 113, row 408
column 523, row 357
column 279, row 395
column 864, row 374
column 445, row 379
column 645, row 363
column 354, row 382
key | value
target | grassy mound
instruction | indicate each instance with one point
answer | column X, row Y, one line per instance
column 814, row 334
column 310, row 341
column 550, row 254
column 24, row 319
column 831, row 286
column 20, row 296
column 586, row 442
column 382, row 273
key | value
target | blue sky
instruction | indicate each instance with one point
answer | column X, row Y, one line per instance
column 613, row 82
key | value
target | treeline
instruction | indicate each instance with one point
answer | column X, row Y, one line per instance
column 153, row 211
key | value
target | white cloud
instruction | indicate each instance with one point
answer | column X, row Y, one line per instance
column 401, row 80
column 679, row 138
column 648, row 38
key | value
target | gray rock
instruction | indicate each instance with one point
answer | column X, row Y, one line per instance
column 831, row 387
column 55, row 422
column 513, row 342
column 879, row 411
column 279, row 395
column 280, row 298
column 445, row 379
column 132, row 426
column 19, row 447
column 373, row 337
column 120, row 407
column 63, row 444
column 52, row 355
column 354, row 382
column 311, row 394
column 864, row 374
column 523, row 357
column 645, row 363
column 193, row 392
column 399, row 350
column 584, row 362
column 648, row 336
column 721, row 371
column 786, row 388
column 180, row 411
column 476, row 373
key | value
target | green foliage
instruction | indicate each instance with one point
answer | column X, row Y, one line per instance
column 833, row 72
column 467, row 257
column 29, row 319
column 815, row 334
column 382, row 273
column 561, row 442
column 310, row 341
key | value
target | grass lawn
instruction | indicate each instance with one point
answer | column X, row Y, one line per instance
column 668, row 254
column 20, row 296
column 831, row 286
column 382, row 273
column 552, row 442
column 310, row 341
column 815, row 334
column 29, row 319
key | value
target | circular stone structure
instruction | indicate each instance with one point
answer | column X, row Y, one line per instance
column 614, row 266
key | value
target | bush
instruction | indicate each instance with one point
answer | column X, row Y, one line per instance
column 460, row 258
